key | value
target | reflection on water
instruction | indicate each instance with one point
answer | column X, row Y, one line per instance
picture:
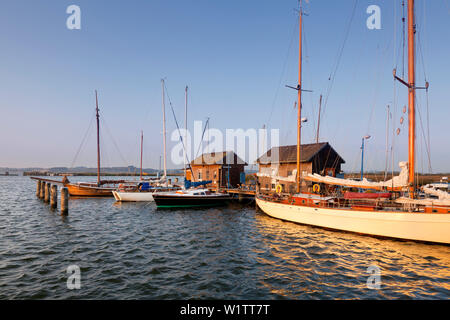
column 133, row 251
column 336, row 262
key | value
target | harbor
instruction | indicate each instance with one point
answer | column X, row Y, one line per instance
column 183, row 164
column 135, row 251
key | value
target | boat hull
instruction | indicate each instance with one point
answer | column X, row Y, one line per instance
column 133, row 196
column 88, row 191
column 183, row 201
column 433, row 227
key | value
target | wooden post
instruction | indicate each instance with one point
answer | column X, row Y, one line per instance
column 46, row 192
column 38, row 188
column 54, row 197
column 42, row 189
column 64, row 201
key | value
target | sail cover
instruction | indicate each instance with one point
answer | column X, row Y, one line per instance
column 441, row 194
column 397, row 183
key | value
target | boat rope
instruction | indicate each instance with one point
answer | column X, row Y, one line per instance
column 283, row 70
column 83, row 140
column 102, row 119
column 201, row 140
column 404, row 38
column 179, row 133
column 333, row 73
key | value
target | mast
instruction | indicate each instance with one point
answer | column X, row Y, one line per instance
column 164, row 129
column 185, row 130
column 98, row 138
column 411, row 94
column 142, row 145
column 299, row 103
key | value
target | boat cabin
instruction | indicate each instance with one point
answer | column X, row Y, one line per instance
column 278, row 166
column 224, row 169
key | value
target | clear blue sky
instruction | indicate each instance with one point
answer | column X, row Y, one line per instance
column 236, row 57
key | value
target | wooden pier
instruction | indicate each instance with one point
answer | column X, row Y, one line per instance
column 47, row 190
column 242, row 194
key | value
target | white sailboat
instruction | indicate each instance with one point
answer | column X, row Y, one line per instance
column 405, row 216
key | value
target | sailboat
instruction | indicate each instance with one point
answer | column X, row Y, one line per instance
column 144, row 191
column 103, row 188
column 402, row 216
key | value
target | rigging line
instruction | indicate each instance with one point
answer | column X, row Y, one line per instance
column 424, row 138
column 307, row 62
column 114, row 142
column 283, row 69
column 178, row 127
column 104, row 155
column 338, row 59
column 201, row 140
column 83, row 140
column 404, row 39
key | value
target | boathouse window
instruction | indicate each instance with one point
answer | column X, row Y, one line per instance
column 215, row 174
column 283, row 188
column 289, row 173
column 199, row 175
column 267, row 186
column 273, row 186
column 207, row 174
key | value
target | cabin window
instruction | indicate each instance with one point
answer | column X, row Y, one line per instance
column 291, row 188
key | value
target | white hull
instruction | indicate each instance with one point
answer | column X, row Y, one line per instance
column 133, row 196
column 430, row 227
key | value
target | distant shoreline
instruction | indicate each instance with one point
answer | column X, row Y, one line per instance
column 89, row 174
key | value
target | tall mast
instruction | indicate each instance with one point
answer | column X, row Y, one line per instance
column 185, row 128
column 142, row 146
column 299, row 103
column 98, row 138
column 164, row 129
column 411, row 93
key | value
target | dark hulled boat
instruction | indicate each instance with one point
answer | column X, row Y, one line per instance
column 190, row 198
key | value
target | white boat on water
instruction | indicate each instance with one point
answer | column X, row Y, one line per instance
column 141, row 192
column 419, row 226
column 402, row 215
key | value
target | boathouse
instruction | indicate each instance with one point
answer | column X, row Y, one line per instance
column 279, row 165
column 224, row 169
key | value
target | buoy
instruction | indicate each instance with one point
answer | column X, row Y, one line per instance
column 316, row 188
column 278, row 188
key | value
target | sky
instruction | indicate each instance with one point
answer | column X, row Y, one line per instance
column 236, row 58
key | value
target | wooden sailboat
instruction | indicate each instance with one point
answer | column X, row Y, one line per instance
column 404, row 216
column 103, row 188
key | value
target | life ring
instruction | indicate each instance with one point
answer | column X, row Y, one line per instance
column 278, row 188
column 316, row 188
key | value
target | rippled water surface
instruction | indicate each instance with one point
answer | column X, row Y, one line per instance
column 134, row 251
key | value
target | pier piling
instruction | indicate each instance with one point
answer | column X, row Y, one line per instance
column 46, row 192
column 38, row 188
column 54, row 197
column 42, row 191
column 64, row 201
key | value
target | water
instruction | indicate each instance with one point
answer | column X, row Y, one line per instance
column 134, row 251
